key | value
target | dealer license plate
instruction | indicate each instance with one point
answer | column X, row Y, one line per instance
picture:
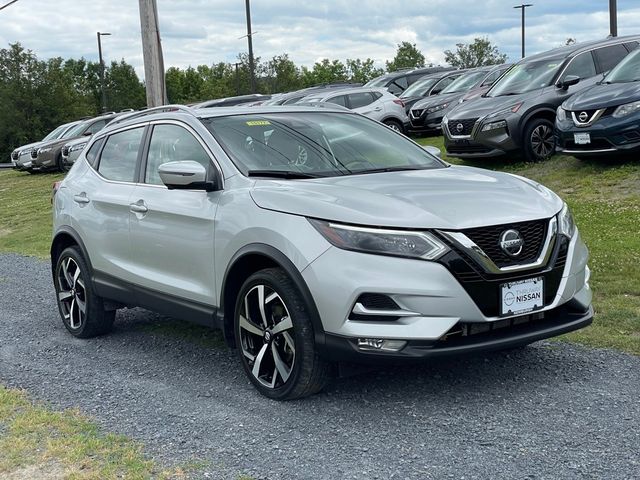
column 582, row 138
column 522, row 296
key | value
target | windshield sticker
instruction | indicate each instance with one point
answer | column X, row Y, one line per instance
column 552, row 65
column 258, row 123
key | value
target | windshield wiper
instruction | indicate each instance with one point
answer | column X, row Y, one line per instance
column 287, row 174
column 389, row 169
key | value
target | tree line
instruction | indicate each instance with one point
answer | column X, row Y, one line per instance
column 38, row 95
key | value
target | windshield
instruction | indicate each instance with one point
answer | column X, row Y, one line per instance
column 420, row 88
column 56, row 133
column 378, row 82
column 628, row 70
column 526, row 77
column 314, row 144
column 465, row 82
column 75, row 131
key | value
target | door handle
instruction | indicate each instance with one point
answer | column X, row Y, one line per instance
column 81, row 199
column 138, row 208
column 377, row 109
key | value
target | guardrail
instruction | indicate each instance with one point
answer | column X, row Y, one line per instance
column 5, row 165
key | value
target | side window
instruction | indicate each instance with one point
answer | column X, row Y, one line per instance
column 340, row 100
column 398, row 85
column 609, row 57
column 442, row 84
column 631, row 46
column 491, row 78
column 376, row 95
column 357, row 100
column 120, row 154
column 414, row 78
column 96, row 127
column 92, row 153
column 172, row 143
column 581, row 66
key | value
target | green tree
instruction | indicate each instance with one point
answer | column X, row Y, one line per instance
column 326, row 71
column 361, row 71
column 124, row 89
column 407, row 56
column 476, row 54
column 282, row 74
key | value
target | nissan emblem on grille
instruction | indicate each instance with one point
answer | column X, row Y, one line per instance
column 583, row 117
column 511, row 242
column 459, row 127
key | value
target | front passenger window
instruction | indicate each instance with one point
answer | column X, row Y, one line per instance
column 581, row 66
column 120, row 155
column 172, row 143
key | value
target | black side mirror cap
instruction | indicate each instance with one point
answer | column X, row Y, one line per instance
column 568, row 81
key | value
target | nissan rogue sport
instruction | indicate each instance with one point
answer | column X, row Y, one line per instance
column 310, row 236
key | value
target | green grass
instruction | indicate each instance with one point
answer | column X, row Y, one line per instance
column 37, row 442
column 605, row 198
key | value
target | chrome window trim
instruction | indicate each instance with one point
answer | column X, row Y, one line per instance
column 593, row 49
column 482, row 259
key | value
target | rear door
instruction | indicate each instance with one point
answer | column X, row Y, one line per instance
column 609, row 57
column 365, row 104
column 172, row 231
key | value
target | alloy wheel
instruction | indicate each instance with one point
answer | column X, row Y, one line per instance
column 266, row 336
column 72, row 295
column 542, row 141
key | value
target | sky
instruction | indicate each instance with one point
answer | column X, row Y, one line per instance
column 196, row 32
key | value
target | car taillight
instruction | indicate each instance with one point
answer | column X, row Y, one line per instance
column 397, row 101
column 54, row 190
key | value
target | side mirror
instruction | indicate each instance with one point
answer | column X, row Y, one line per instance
column 435, row 151
column 87, row 134
column 185, row 175
column 568, row 81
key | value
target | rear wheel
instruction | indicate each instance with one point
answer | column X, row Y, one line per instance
column 540, row 143
column 394, row 125
column 275, row 340
column 82, row 311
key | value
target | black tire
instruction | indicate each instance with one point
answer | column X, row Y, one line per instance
column 60, row 164
column 306, row 373
column 539, row 140
column 74, row 289
column 394, row 125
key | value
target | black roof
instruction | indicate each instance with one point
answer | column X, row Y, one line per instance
column 576, row 48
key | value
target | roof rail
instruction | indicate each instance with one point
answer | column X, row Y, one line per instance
column 151, row 111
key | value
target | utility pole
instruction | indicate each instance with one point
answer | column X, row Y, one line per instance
column 613, row 18
column 152, row 53
column 104, row 92
column 523, row 7
column 252, row 77
column 237, row 64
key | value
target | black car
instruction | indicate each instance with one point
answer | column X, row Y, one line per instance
column 518, row 114
column 603, row 119
column 429, row 85
column 254, row 98
column 398, row 81
column 297, row 95
column 426, row 114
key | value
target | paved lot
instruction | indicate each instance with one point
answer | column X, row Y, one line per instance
column 552, row 410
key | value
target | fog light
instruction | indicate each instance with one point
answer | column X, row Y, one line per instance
column 379, row 344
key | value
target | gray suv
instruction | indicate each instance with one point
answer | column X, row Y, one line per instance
column 310, row 236
column 518, row 113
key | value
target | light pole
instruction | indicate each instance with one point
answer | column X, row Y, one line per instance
column 613, row 18
column 523, row 7
column 104, row 93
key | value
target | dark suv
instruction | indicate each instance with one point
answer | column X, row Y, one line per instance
column 518, row 114
column 397, row 82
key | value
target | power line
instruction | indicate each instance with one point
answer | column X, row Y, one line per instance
column 6, row 5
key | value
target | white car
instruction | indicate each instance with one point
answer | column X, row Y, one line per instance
column 376, row 103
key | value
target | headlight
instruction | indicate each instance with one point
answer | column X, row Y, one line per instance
column 437, row 108
column 79, row 146
column 494, row 125
column 506, row 111
column 398, row 243
column 627, row 109
column 561, row 114
column 565, row 221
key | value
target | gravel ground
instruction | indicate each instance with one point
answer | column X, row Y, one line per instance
column 552, row 410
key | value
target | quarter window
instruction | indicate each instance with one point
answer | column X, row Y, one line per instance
column 609, row 57
column 581, row 66
column 357, row 100
column 120, row 155
column 92, row 153
column 172, row 143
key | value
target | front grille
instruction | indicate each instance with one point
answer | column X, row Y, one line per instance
column 65, row 151
column 34, row 153
column 417, row 113
column 466, row 129
column 14, row 155
column 488, row 239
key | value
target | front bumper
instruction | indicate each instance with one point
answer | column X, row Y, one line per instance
column 609, row 136
column 443, row 299
column 478, row 144
column 426, row 123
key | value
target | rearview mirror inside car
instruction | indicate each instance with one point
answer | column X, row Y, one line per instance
column 185, row 175
column 568, row 81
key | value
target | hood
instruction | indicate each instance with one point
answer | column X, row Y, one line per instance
column 58, row 142
column 604, row 96
column 446, row 198
column 77, row 141
column 438, row 100
column 28, row 146
column 483, row 106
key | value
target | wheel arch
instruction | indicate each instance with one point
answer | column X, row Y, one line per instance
column 248, row 260
column 66, row 237
column 546, row 113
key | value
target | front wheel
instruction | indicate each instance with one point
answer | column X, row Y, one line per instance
column 394, row 125
column 275, row 340
column 540, row 143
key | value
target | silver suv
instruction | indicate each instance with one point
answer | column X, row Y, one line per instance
column 310, row 236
